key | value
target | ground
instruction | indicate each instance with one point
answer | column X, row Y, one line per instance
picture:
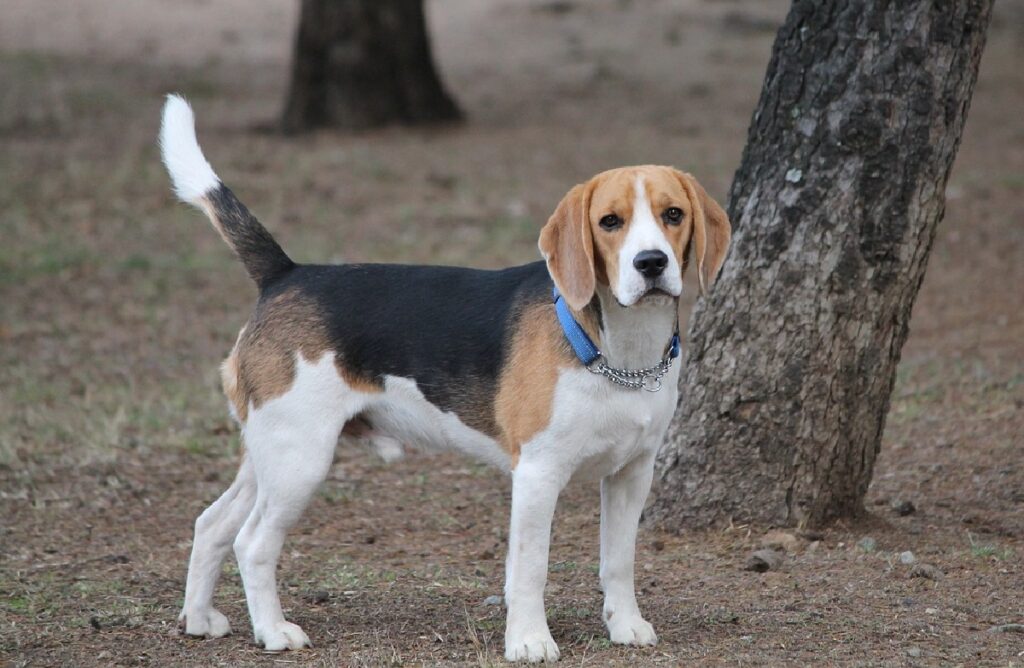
column 117, row 304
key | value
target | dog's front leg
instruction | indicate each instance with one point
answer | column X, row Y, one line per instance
column 622, row 500
column 535, row 490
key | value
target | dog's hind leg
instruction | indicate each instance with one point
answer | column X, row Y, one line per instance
column 291, row 440
column 215, row 531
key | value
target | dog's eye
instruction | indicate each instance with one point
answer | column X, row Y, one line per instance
column 610, row 222
column 673, row 215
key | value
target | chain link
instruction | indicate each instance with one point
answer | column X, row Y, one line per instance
column 648, row 379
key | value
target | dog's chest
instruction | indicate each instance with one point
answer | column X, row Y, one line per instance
column 600, row 427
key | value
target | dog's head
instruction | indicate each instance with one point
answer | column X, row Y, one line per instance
column 631, row 230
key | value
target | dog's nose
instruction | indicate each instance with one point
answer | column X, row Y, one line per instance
column 650, row 263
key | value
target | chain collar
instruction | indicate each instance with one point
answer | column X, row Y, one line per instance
column 648, row 379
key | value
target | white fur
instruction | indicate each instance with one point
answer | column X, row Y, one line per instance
column 598, row 431
column 404, row 413
column 191, row 174
column 645, row 232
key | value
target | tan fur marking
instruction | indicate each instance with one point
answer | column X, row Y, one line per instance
column 262, row 364
column 711, row 231
column 664, row 191
column 526, row 387
column 613, row 194
column 229, row 381
column 211, row 213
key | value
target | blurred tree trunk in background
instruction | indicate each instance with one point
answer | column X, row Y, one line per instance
column 792, row 358
column 364, row 63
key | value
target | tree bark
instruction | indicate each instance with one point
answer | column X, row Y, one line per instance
column 361, row 64
column 792, row 358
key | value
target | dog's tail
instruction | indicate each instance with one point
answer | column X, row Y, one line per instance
column 196, row 183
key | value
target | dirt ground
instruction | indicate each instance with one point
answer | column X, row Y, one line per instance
column 117, row 305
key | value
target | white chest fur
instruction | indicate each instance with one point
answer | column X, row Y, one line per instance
column 598, row 427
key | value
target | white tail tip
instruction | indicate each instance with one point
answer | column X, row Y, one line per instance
column 190, row 173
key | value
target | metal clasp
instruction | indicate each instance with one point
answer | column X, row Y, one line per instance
column 652, row 383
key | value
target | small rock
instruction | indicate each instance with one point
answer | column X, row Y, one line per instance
column 868, row 544
column 493, row 600
column 319, row 596
column 1007, row 628
column 914, row 652
column 813, row 547
column 907, row 558
column 926, row 571
column 781, row 540
column 904, row 508
column 764, row 560
column 931, row 611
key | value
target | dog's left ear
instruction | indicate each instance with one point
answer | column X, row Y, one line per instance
column 567, row 245
column 711, row 231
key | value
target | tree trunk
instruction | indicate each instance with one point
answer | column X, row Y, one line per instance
column 361, row 64
column 792, row 358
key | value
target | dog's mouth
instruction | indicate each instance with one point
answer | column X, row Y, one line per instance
column 656, row 297
column 653, row 296
column 655, row 292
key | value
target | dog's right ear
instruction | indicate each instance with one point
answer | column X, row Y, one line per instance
column 567, row 245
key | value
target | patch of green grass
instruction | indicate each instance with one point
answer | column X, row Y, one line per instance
column 135, row 262
column 95, row 100
column 989, row 550
column 569, row 612
column 589, row 641
column 32, row 64
column 52, row 257
column 1012, row 180
column 16, row 604
column 198, row 88
column 344, row 575
column 337, row 494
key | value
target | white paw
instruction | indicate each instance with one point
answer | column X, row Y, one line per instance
column 532, row 647
column 631, row 630
column 281, row 636
column 206, row 624
column 387, row 448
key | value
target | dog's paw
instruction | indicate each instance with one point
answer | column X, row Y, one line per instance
column 631, row 630
column 532, row 647
column 205, row 624
column 281, row 636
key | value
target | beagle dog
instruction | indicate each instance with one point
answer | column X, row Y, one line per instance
column 551, row 371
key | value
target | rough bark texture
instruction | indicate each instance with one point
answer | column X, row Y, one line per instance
column 361, row 64
column 792, row 358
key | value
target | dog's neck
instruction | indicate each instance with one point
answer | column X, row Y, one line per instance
column 637, row 336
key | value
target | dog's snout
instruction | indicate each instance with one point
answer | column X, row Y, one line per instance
column 650, row 263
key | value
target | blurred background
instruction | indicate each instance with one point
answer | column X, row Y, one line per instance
column 117, row 304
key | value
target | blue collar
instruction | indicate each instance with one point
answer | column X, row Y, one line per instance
column 582, row 345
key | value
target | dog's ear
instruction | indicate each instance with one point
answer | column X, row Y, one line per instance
column 567, row 245
column 711, row 231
